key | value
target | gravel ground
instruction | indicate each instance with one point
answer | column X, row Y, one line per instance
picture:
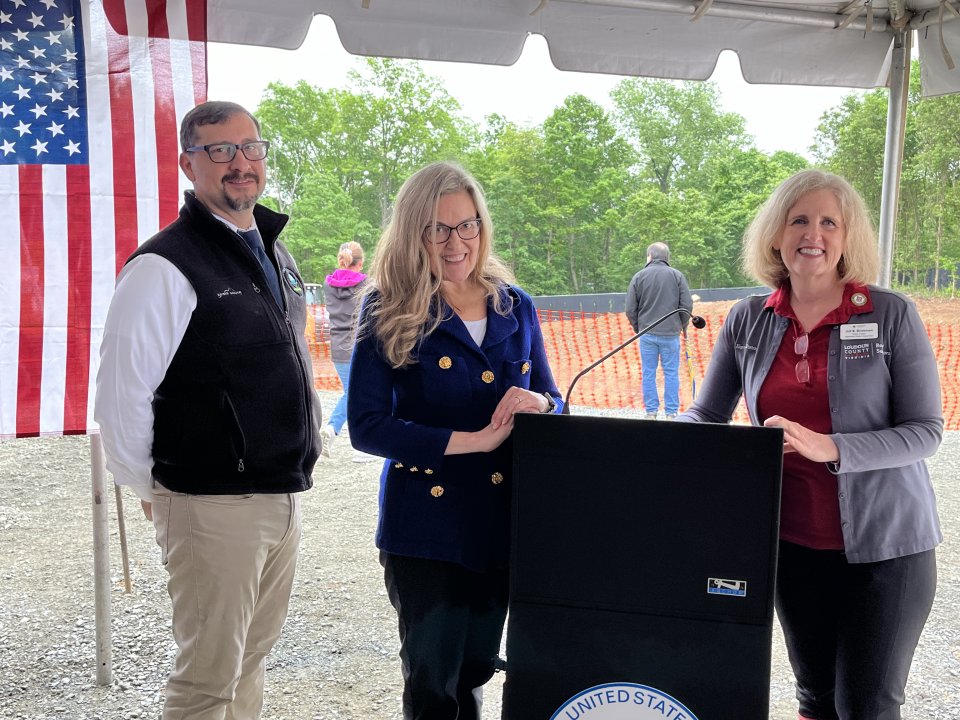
column 337, row 658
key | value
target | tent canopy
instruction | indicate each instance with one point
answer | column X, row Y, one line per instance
column 808, row 42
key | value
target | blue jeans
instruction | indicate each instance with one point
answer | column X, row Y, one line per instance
column 665, row 350
column 339, row 415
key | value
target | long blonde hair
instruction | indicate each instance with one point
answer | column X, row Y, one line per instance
column 404, row 301
column 860, row 261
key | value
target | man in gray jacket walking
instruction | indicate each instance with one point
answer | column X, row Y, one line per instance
column 655, row 291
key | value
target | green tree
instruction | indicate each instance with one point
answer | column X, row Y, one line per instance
column 324, row 218
column 850, row 142
column 339, row 156
column 509, row 164
column 935, row 172
column 740, row 182
column 587, row 163
column 304, row 126
column 675, row 128
column 401, row 119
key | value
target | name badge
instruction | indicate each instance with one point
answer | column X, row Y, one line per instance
column 860, row 331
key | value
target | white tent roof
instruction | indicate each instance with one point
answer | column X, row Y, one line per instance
column 809, row 42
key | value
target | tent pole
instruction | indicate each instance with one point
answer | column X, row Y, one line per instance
column 893, row 149
column 124, row 555
column 101, row 563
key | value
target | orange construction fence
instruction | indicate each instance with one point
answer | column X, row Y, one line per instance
column 574, row 339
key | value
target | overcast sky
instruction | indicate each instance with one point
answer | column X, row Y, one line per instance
column 780, row 117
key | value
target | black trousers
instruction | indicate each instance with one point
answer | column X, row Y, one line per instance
column 851, row 629
column 451, row 620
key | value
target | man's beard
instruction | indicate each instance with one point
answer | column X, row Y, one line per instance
column 241, row 204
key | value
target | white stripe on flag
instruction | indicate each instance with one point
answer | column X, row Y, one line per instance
column 145, row 150
column 103, row 260
column 10, row 292
column 55, row 285
column 182, row 64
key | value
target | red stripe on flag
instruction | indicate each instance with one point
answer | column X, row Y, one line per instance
column 197, row 32
column 157, row 19
column 124, row 143
column 197, row 20
column 79, row 293
column 198, row 57
column 198, row 54
column 30, row 360
column 116, row 13
column 165, row 124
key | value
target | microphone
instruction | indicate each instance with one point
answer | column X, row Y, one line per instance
column 695, row 320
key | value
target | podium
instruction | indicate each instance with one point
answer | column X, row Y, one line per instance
column 644, row 556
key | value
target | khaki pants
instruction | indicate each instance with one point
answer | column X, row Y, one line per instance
column 231, row 561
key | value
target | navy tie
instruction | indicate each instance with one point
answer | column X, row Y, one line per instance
column 255, row 243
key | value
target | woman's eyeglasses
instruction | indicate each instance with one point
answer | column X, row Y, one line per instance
column 438, row 234
column 802, row 369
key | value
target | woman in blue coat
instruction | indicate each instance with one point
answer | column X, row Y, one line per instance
column 447, row 351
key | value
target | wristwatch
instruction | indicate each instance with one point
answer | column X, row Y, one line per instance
column 551, row 404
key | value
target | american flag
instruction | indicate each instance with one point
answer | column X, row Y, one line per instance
column 91, row 96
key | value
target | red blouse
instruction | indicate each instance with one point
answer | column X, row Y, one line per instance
column 809, row 507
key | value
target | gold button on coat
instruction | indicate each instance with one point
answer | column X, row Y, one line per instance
column 398, row 465
column 428, row 471
column 496, row 478
column 414, row 469
column 487, row 376
column 525, row 368
column 436, row 490
column 445, row 363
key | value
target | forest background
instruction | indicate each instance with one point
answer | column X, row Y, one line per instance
column 577, row 199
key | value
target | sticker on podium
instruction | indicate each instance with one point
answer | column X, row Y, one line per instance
column 720, row 586
column 622, row 701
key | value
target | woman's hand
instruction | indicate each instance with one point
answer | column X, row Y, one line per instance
column 797, row 438
column 485, row 440
column 517, row 400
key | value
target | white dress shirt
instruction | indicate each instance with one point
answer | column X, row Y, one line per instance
column 147, row 319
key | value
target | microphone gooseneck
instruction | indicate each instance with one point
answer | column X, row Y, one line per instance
column 695, row 320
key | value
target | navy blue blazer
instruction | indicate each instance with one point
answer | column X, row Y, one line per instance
column 454, row 508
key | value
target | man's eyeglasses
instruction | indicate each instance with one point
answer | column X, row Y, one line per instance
column 225, row 152
column 439, row 233
column 802, row 368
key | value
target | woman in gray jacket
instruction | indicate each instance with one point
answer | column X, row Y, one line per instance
column 847, row 370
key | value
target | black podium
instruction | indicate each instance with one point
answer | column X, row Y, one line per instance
column 643, row 553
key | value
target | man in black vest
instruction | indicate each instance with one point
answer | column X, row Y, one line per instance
column 207, row 409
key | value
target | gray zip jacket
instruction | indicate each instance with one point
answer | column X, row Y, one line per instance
column 886, row 410
column 655, row 291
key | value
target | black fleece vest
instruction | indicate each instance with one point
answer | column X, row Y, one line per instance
column 235, row 413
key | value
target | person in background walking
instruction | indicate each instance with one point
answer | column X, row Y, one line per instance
column 342, row 290
column 654, row 291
